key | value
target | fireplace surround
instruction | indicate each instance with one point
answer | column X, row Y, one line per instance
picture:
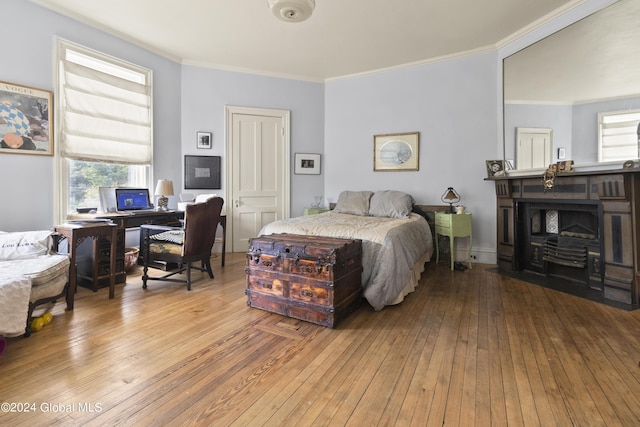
column 583, row 231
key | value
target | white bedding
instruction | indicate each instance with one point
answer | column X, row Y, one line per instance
column 394, row 251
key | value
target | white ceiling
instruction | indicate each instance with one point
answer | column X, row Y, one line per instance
column 342, row 38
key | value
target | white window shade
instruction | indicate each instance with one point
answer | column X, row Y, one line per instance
column 618, row 136
column 106, row 117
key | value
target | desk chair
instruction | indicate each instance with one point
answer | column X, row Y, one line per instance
column 182, row 245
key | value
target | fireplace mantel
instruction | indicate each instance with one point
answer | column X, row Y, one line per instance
column 613, row 262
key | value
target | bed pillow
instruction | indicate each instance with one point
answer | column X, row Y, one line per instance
column 390, row 203
column 353, row 202
column 24, row 244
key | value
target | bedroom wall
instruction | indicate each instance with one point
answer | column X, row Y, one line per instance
column 206, row 92
column 27, row 185
column 453, row 106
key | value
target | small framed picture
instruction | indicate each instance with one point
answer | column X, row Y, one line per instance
column 204, row 139
column 495, row 167
column 307, row 164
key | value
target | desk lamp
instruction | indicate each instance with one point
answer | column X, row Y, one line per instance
column 450, row 196
column 164, row 188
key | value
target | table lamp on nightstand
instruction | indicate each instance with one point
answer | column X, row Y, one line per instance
column 164, row 188
column 451, row 196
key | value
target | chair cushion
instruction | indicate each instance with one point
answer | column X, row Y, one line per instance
column 172, row 236
column 165, row 248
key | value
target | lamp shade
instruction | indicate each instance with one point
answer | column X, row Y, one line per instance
column 451, row 196
column 164, row 188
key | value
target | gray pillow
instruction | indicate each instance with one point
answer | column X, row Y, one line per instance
column 353, row 202
column 390, row 203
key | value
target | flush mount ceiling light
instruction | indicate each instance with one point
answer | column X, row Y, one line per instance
column 292, row 10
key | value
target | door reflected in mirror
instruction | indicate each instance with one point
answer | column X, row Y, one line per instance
column 574, row 82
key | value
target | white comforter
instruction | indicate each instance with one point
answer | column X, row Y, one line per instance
column 394, row 251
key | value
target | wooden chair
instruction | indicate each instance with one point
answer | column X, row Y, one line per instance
column 182, row 246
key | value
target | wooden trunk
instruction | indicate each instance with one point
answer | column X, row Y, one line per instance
column 311, row 278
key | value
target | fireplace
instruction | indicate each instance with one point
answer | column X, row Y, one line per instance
column 562, row 240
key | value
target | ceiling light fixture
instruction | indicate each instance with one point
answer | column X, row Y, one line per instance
column 292, row 10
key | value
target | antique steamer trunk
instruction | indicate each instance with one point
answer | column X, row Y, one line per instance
column 311, row 278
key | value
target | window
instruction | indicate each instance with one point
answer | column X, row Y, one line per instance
column 618, row 135
column 104, row 128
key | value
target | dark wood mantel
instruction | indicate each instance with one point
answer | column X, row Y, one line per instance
column 616, row 195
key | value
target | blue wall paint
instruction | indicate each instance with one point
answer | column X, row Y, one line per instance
column 452, row 105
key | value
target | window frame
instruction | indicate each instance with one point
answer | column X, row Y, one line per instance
column 61, row 163
column 601, row 135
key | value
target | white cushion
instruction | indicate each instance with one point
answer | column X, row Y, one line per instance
column 24, row 244
column 390, row 203
column 353, row 202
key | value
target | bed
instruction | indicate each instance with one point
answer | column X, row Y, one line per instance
column 396, row 242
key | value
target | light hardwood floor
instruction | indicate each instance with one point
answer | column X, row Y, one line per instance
column 467, row 348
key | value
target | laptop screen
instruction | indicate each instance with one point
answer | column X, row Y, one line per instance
column 131, row 199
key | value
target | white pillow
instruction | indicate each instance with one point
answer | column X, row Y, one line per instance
column 25, row 244
column 353, row 202
column 390, row 203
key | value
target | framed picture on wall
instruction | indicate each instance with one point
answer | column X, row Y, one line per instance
column 307, row 164
column 204, row 139
column 26, row 122
column 202, row 172
column 396, row 151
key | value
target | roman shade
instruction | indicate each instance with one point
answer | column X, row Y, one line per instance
column 107, row 109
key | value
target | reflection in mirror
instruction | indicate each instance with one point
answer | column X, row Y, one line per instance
column 583, row 83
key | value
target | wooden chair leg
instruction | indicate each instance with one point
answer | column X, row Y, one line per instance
column 207, row 265
column 188, row 276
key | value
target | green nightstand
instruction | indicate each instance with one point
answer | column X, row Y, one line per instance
column 314, row 211
column 452, row 226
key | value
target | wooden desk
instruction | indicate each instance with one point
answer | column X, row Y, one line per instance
column 453, row 225
column 76, row 234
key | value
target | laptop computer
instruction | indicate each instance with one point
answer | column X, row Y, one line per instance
column 133, row 199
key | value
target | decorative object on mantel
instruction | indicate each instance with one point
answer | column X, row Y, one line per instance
column 549, row 177
column 164, row 188
column 495, row 167
column 564, row 166
column 292, row 10
column 451, row 196
column 396, row 152
column 629, row 164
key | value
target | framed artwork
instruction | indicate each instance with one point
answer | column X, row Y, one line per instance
column 202, row 172
column 307, row 164
column 204, row 139
column 495, row 167
column 396, row 151
column 26, row 122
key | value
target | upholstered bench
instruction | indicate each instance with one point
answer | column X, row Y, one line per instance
column 30, row 275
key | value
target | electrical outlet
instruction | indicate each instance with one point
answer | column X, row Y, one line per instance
column 473, row 256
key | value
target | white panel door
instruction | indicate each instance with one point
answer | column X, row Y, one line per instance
column 257, row 171
column 534, row 148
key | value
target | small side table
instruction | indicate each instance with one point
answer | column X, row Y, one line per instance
column 453, row 225
column 76, row 233
column 315, row 211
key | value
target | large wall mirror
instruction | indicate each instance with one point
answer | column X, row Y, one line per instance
column 567, row 81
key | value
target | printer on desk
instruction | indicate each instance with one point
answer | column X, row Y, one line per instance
column 189, row 199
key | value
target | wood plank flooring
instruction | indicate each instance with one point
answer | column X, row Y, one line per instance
column 467, row 348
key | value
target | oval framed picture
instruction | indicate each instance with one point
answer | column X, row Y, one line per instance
column 396, row 152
